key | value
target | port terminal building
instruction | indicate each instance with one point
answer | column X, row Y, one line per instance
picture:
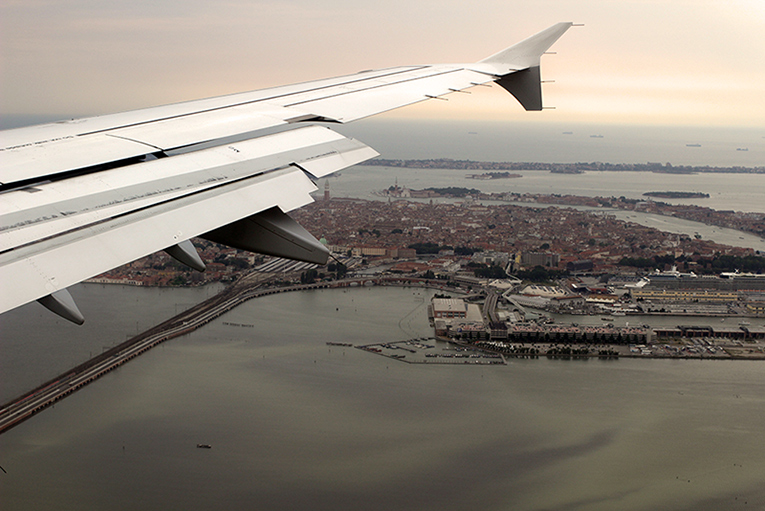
column 685, row 295
column 725, row 282
column 743, row 333
column 456, row 315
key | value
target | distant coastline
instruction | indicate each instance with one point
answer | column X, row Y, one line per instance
column 678, row 195
column 568, row 168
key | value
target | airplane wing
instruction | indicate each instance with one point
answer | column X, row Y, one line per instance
column 84, row 196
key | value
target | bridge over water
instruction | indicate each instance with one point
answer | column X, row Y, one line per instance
column 248, row 287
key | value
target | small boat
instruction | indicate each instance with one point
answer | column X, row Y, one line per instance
column 204, row 446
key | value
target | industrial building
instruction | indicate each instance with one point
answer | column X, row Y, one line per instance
column 547, row 259
column 685, row 295
column 447, row 308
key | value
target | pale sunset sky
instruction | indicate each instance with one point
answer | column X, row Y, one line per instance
column 635, row 62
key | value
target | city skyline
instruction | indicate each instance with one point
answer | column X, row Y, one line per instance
column 636, row 63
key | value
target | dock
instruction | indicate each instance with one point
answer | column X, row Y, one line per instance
column 428, row 351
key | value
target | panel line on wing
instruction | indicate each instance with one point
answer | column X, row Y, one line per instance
column 135, row 140
column 258, row 100
column 382, row 85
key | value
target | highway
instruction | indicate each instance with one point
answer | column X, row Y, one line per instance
column 490, row 307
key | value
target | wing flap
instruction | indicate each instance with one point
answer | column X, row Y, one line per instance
column 108, row 232
column 42, row 159
column 55, row 208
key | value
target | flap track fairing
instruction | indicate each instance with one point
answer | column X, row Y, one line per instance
column 62, row 303
column 271, row 232
column 185, row 253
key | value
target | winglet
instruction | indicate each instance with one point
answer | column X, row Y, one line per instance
column 528, row 52
column 517, row 67
column 526, row 86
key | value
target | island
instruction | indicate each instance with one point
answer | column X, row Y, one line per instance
column 493, row 175
column 678, row 195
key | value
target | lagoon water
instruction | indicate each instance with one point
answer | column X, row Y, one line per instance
column 296, row 424
column 738, row 192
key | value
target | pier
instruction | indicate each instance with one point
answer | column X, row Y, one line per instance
column 427, row 351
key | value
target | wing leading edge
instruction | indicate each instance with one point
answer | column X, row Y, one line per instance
column 82, row 197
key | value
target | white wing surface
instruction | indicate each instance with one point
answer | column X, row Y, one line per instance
column 80, row 197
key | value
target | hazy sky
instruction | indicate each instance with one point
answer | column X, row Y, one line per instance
column 677, row 62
